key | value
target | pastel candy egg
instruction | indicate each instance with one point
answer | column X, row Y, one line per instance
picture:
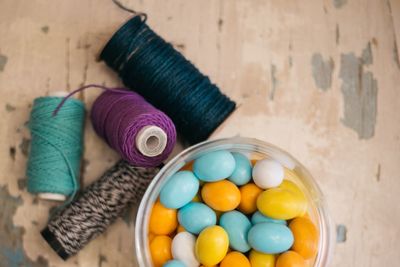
column 235, row 259
column 212, row 245
column 214, row 166
column 160, row 250
column 292, row 187
column 195, row 216
column 257, row 217
column 237, row 226
column 180, row 189
column 163, row 221
column 305, row 237
column 183, row 249
column 242, row 173
column 270, row 238
column 221, row 196
column 268, row 173
column 258, row 259
column 290, row 259
column 174, row 263
column 248, row 200
column 280, row 204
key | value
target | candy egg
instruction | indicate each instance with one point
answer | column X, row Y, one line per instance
column 222, row 195
column 242, row 173
column 258, row 259
column 195, row 216
column 290, row 259
column 163, row 221
column 268, row 173
column 235, row 259
column 174, row 263
column 180, row 189
column 257, row 217
column 212, row 245
column 270, row 238
column 248, row 201
column 160, row 250
column 280, row 204
column 214, row 166
column 183, row 249
column 305, row 237
column 180, row 229
column 237, row 226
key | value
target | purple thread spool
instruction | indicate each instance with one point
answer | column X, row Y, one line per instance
column 143, row 135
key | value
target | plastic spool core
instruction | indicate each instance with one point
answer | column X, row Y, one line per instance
column 54, row 196
column 151, row 141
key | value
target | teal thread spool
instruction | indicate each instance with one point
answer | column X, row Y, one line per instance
column 56, row 147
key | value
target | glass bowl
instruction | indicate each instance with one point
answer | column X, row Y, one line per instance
column 254, row 149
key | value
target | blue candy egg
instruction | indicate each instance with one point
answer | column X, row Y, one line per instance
column 237, row 226
column 258, row 217
column 195, row 216
column 179, row 190
column 242, row 173
column 270, row 238
column 174, row 263
column 214, row 166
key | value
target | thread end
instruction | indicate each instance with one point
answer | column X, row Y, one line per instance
column 151, row 141
column 52, row 196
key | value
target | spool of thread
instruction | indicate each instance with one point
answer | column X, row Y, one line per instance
column 143, row 135
column 154, row 69
column 97, row 207
column 56, row 147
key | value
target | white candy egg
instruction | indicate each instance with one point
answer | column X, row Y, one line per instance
column 268, row 173
column 183, row 249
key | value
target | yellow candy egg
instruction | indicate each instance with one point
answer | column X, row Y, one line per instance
column 211, row 245
column 235, row 259
column 290, row 259
column 248, row 201
column 150, row 236
column 160, row 250
column 305, row 237
column 280, row 204
column 163, row 221
column 291, row 186
column 258, row 259
column 222, row 195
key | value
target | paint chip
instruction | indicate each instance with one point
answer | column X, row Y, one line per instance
column 274, row 81
column 378, row 173
column 12, row 152
column 360, row 90
column 322, row 71
column 3, row 62
column 396, row 54
column 341, row 233
column 220, row 24
column 10, row 108
column 339, row 3
column 24, row 146
column 45, row 29
column 21, row 183
column 337, row 34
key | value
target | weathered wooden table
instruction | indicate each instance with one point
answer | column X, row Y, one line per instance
column 319, row 79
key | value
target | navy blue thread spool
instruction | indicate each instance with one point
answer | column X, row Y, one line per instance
column 149, row 65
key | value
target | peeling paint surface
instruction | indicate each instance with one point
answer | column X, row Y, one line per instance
column 360, row 90
column 322, row 71
column 12, row 253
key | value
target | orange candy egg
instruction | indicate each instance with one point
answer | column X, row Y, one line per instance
column 290, row 259
column 249, row 194
column 221, row 196
column 160, row 250
column 235, row 259
column 163, row 221
column 305, row 237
